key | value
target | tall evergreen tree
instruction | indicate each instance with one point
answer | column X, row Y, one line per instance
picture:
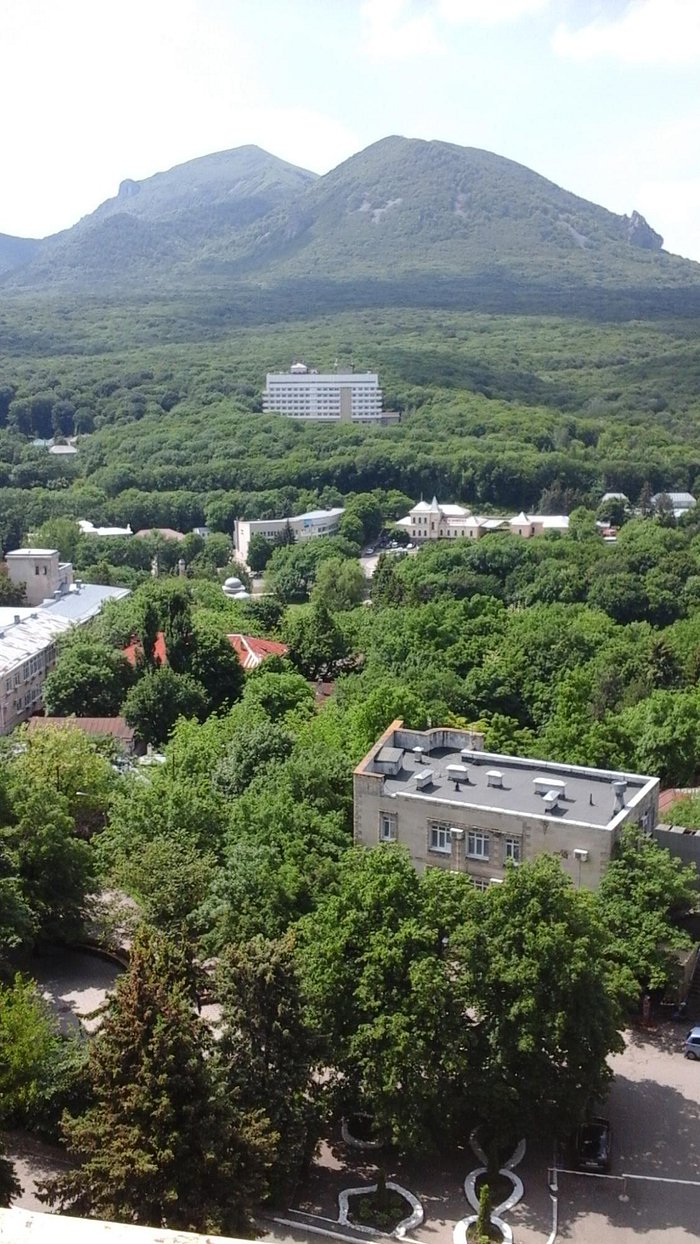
column 266, row 1051
column 161, row 1145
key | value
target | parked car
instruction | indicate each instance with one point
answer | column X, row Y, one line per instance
column 593, row 1145
column 691, row 1045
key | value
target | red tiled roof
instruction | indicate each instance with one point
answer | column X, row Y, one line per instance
column 251, row 651
column 116, row 727
column 134, row 649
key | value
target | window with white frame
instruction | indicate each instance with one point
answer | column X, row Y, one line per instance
column 387, row 826
column 511, row 850
column 439, row 837
column 478, row 844
column 479, row 883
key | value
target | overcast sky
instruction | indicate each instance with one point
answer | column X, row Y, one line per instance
column 601, row 96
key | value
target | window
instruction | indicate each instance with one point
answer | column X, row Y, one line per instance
column 478, row 844
column 479, row 883
column 511, row 850
column 439, row 837
column 387, row 826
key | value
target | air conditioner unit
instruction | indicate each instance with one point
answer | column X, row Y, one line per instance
column 580, row 854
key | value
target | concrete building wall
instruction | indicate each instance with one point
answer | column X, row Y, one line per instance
column 478, row 839
column 41, row 572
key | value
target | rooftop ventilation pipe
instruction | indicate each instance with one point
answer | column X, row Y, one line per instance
column 619, row 788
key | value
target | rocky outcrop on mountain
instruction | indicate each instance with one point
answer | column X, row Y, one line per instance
column 639, row 233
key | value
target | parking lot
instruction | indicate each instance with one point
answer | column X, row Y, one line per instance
column 654, row 1109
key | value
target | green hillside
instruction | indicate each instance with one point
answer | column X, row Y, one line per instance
column 403, row 223
column 153, row 227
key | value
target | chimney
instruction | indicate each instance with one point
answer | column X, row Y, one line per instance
column 619, row 788
column 17, row 619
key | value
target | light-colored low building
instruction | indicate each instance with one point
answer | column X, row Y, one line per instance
column 681, row 502
column 28, row 634
column 431, row 520
column 302, row 526
column 455, row 806
column 329, row 397
column 41, row 571
column 89, row 529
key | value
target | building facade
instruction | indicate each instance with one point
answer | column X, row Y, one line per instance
column 455, row 806
column 45, row 577
column 28, row 635
column 429, row 520
column 346, row 397
column 302, row 526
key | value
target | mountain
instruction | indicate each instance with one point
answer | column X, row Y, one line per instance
column 164, row 220
column 16, row 251
column 404, row 222
column 405, row 204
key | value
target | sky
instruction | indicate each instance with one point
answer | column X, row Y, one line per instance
column 600, row 96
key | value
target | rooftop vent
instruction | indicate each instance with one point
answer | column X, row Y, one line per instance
column 551, row 800
column 17, row 619
column 423, row 778
column 619, row 788
column 457, row 774
column 494, row 778
column 418, row 754
column 543, row 785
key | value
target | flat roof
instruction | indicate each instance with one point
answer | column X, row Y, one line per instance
column 31, row 553
column 585, row 796
column 80, row 603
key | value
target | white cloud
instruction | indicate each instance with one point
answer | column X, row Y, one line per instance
column 402, row 29
column 646, row 32
column 487, row 12
column 392, row 32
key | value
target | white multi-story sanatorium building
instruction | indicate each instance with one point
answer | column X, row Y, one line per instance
column 347, row 397
column 302, row 526
column 455, row 806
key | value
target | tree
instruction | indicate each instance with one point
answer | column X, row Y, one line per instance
column 642, row 892
column 90, row 680
column 248, row 752
column 340, row 584
column 59, row 533
column 381, row 989
column 215, row 666
column 56, row 870
column 260, row 551
column 178, row 630
column 153, row 706
column 68, row 762
column 170, row 877
column 266, row 1052
column 544, row 1003
column 29, row 1046
column 316, row 644
column 161, row 1145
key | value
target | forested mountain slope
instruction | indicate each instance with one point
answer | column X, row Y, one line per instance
column 404, row 222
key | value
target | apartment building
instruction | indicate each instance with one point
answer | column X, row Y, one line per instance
column 302, row 526
column 456, row 806
column 28, row 634
column 346, row 397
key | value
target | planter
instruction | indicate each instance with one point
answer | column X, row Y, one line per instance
column 358, row 1130
column 401, row 1212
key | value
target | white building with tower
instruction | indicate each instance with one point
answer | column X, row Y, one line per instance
column 342, row 397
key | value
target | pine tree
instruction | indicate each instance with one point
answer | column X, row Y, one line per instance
column 160, row 1145
column 265, row 1051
